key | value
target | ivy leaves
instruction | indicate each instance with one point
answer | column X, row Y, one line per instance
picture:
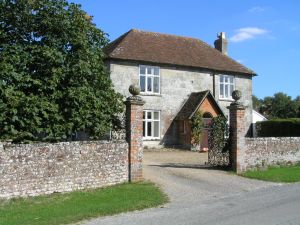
column 218, row 135
column 197, row 127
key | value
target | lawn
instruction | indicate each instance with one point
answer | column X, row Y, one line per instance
column 287, row 174
column 79, row 205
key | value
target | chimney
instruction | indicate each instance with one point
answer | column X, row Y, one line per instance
column 221, row 43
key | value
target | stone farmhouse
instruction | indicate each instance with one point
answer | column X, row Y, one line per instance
column 178, row 76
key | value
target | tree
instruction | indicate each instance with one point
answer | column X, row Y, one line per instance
column 53, row 81
column 266, row 107
column 297, row 105
column 257, row 103
column 279, row 106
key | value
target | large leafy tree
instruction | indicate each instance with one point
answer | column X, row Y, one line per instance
column 53, row 81
column 279, row 106
column 297, row 105
column 283, row 106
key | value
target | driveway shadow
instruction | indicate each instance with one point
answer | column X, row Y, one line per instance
column 192, row 166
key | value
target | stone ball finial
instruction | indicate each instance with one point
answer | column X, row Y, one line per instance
column 134, row 89
column 236, row 95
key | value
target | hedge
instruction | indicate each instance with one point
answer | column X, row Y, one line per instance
column 279, row 128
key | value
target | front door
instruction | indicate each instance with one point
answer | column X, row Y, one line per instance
column 204, row 139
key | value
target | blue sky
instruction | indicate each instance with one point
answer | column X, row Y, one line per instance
column 263, row 35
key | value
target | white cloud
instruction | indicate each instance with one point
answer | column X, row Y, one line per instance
column 256, row 9
column 247, row 33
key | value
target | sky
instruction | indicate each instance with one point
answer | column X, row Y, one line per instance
column 263, row 35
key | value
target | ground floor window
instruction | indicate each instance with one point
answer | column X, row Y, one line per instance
column 151, row 124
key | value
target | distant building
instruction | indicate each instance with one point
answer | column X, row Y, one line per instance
column 256, row 117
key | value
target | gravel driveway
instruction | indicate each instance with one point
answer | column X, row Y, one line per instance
column 184, row 176
column 199, row 194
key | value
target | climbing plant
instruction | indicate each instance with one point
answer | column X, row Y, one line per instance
column 218, row 141
column 197, row 127
column 219, row 133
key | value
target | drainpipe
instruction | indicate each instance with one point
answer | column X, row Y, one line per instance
column 214, row 84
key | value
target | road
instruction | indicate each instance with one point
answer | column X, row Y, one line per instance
column 200, row 195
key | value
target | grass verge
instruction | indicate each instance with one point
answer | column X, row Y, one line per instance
column 79, row 205
column 286, row 174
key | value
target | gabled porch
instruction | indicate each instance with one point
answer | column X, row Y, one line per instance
column 198, row 101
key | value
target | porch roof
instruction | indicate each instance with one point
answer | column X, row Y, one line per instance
column 194, row 102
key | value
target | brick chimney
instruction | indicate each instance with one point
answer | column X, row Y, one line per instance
column 221, row 43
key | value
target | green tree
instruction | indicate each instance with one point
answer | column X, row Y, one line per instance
column 297, row 105
column 266, row 106
column 53, row 81
column 257, row 103
column 279, row 106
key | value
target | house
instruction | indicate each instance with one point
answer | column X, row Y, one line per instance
column 177, row 76
column 256, row 117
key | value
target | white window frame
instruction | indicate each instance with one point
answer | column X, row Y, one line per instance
column 152, row 76
column 228, row 84
column 152, row 120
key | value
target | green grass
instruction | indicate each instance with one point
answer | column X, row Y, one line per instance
column 287, row 174
column 79, row 205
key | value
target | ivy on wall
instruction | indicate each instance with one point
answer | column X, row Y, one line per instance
column 218, row 141
column 197, row 127
column 219, row 134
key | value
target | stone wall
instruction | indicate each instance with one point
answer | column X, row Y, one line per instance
column 176, row 85
column 262, row 152
column 44, row 168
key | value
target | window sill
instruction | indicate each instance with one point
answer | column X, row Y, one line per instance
column 151, row 139
column 226, row 99
column 150, row 94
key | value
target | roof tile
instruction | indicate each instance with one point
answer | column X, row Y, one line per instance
column 174, row 50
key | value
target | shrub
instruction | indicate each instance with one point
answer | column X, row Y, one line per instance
column 279, row 128
column 197, row 127
column 218, row 135
column 53, row 80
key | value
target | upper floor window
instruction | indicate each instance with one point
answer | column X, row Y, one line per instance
column 226, row 86
column 150, row 79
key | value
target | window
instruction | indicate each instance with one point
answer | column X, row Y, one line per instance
column 151, row 124
column 150, row 79
column 226, row 86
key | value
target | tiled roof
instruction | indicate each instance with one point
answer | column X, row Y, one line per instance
column 193, row 103
column 172, row 50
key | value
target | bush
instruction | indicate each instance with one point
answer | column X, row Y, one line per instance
column 53, row 80
column 218, row 135
column 197, row 127
column 279, row 128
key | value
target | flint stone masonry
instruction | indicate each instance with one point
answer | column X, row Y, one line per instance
column 44, row 168
column 262, row 152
